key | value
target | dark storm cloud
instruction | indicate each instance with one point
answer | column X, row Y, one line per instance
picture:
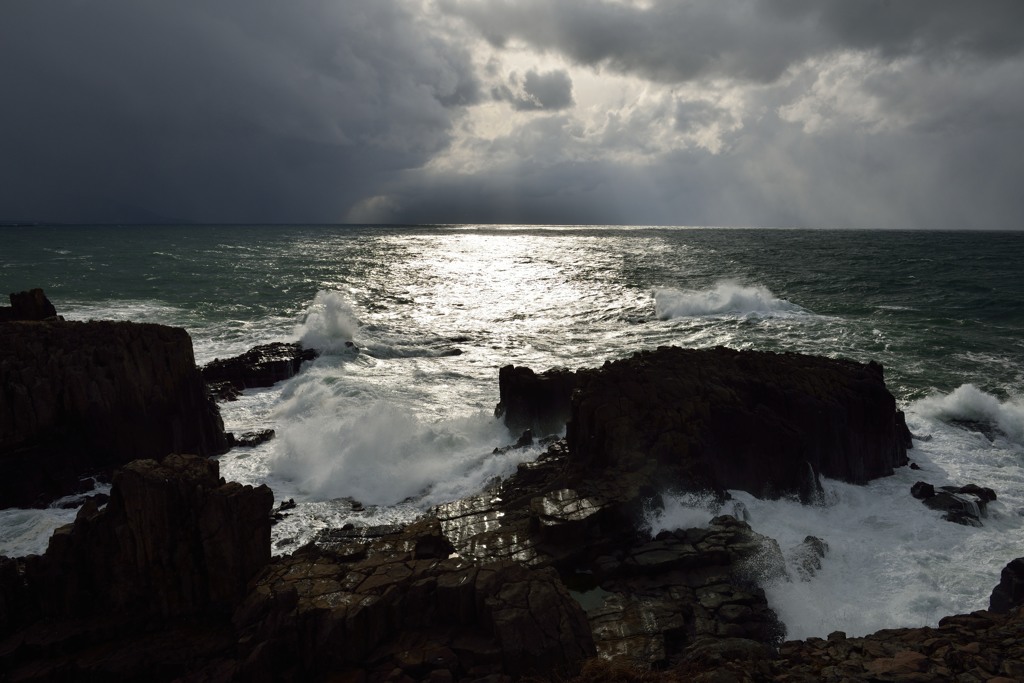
column 138, row 110
column 755, row 40
column 549, row 91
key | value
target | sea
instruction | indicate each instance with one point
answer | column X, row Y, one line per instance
column 403, row 420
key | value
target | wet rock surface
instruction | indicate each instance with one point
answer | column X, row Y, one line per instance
column 261, row 366
column 79, row 398
column 966, row 505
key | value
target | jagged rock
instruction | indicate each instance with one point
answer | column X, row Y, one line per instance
column 29, row 305
column 250, row 439
column 922, row 490
column 1009, row 593
column 173, row 542
column 721, row 419
column 261, row 366
column 85, row 397
column 962, row 504
column 536, row 402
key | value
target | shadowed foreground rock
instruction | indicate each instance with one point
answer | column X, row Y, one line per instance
column 170, row 556
column 78, row 398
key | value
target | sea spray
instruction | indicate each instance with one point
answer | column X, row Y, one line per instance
column 725, row 298
column 330, row 324
column 970, row 404
column 891, row 561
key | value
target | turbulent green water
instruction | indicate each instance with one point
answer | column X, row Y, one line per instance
column 407, row 421
column 937, row 309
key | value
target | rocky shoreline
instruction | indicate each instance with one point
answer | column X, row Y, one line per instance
column 547, row 575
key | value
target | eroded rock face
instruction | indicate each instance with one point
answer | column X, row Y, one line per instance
column 721, row 419
column 82, row 397
column 142, row 588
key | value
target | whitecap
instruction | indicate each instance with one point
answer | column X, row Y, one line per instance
column 329, row 325
column 725, row 298
column 968, row 402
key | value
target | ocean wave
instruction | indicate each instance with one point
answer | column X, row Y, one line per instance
column 725, row 298
column 381, row 453
column 969, row 403
column 329, row 324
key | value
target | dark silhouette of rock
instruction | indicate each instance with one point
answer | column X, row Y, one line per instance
column 29, row 305
column 261, row 366
column 1009, row 593
column 528, row 401
column 251, row 439
column 170, row 555
column 922, row 490
column 85, row 397
column 721, row 419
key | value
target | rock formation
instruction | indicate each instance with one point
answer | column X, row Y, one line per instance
column 174, row 546
column 548, row 573
column 261, row 366
column 29, row 305
column 719, row 419
column 82, row 397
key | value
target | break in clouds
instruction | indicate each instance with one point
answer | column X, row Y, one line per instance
column 810, row 113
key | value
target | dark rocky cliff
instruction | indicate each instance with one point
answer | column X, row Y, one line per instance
column 719, row 419
column 81, row 397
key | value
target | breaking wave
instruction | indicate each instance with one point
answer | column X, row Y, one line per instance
column 330, row 322
column 969, row 403
column 725, row 298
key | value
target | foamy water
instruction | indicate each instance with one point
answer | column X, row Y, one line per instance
column 379, row 431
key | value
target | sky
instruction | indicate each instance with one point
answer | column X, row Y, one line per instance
column 887, row 114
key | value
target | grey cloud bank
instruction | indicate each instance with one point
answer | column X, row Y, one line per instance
column 866, row 114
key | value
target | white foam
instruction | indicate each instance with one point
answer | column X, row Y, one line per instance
column 725, row 298
column 967, row 402
column 892, row 562
column 329, row 323
column 380, row 452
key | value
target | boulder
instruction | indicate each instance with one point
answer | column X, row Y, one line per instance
column 261, row 366
column 719, row 419
column 79, row 398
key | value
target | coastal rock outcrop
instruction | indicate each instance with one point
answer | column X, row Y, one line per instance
column 720, row 419
column 82, row 397
column 260, row 366
column 28, row 305
column 1009, row 593
column 171, row 553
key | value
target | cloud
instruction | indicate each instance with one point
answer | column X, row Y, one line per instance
column 548, row 91
column 238, row 110
column 752, row 40
column 813, row 113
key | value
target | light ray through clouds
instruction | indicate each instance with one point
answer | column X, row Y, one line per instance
column 809, row 113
